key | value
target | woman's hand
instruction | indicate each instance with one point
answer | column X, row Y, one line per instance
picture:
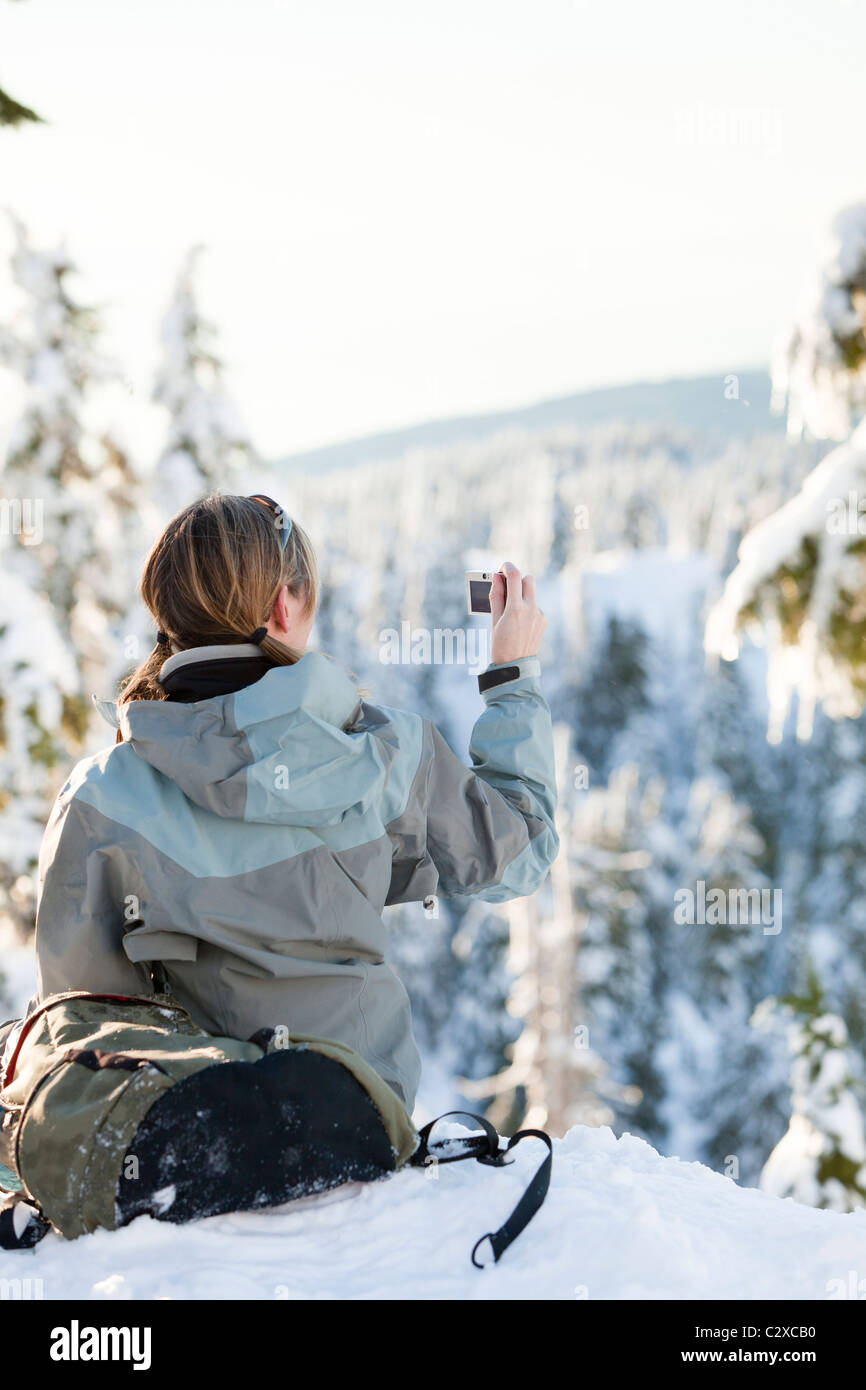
column 516, row 622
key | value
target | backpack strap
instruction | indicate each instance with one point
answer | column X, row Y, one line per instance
column 485, row 1147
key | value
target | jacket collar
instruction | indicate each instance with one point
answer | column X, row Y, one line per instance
column 317, row 683
column 199, row 673
column 227, row 651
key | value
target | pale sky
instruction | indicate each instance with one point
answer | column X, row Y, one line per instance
column 417, row 208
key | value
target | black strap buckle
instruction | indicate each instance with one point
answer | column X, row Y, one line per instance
column 485, row 1148
column 488, row 1235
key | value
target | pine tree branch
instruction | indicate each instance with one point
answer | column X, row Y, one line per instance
column 13, row 113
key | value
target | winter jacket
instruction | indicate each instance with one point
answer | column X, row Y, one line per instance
column 250, row 840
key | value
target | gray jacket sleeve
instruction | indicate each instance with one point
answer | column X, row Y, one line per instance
column 487, row 830
column 80, row 912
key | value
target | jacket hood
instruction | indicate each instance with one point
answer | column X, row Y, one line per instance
column 275, row 752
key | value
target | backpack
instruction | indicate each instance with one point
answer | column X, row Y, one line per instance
column 117, row 1106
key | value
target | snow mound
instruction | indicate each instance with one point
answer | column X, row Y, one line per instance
column 620, row 1222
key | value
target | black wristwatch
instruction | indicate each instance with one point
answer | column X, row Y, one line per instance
column 497, row 677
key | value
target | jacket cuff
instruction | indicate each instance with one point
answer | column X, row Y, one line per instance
column 507, row 672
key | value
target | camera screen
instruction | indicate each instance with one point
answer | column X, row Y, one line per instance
column 479, row 595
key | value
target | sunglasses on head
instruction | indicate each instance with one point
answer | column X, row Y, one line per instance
column 282, row 519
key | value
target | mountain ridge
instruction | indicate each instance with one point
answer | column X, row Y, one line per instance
column 727, row 405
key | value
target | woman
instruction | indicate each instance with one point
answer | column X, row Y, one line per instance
column 242, row 837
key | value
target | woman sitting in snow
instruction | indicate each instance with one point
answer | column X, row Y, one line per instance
column 243, row 836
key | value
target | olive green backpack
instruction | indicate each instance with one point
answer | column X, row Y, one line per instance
column 115, row 1106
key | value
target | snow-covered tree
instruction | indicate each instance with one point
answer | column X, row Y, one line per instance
column 481, row 1029
column 801, row 575
column 419, row 949
column 819, row 364
column 614, row 692
column 722, row 1079
column 821, row 1159
column 206, row 448
column 731, row 748
column 723, row 851
column 555, row 1076
column 833, row 899
column 69, row 501
column 621, row 847
column 452, row 958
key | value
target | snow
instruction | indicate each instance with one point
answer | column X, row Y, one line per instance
column 620, row 1222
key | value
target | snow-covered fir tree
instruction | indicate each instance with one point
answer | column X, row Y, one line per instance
column 206, row 448
column 731, row 747
column 69, row 505
column 481, row 1029
column 419, row 949
column 834, row 897
column 801, row 575
column 821, row 1159
column 723, row 1079
column 614, row 692
column 621, row 850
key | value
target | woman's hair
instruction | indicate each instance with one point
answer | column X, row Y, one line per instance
column 213, row 576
